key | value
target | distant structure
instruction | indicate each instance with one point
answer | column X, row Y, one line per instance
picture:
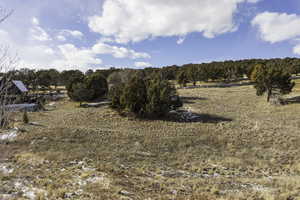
column 16, row 87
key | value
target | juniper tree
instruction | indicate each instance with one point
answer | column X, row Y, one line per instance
column 193, row 74
column 96, row 82
column 271, row 79
column 134, row 96
column 159, row 97
column 182, row 78
column 80, row 93
column 144, row 96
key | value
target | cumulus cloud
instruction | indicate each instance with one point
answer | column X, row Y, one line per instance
column 66, row 56
column 118, row 52
column 137, row 20
column 69, row 33
column 73, row 56
column 39, row 56
column 276, row 27
column 142, row 64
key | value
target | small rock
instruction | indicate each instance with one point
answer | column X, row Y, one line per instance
column 174, row 192
column 125, row 193
column 145, row 154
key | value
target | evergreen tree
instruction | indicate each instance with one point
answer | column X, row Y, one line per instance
column 271, row 79
column 25, row 117
column 193, row 74
column 81, row 93
column 182, row 78
column 144, row 96
column 159, row 97
column 134, row 96
column 96, row 82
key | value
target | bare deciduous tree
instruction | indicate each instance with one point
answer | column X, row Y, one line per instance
column 7, row 63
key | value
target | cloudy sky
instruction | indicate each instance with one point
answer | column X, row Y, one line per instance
column 84, row 34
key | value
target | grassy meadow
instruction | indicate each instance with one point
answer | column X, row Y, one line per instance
column 238, row 147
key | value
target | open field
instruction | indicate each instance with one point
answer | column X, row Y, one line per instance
column 239, row 147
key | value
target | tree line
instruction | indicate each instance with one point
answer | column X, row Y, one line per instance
column 226, row 71
column 149, row 91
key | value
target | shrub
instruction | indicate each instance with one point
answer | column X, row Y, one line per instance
column 144, row 97
column 89, row 88
column 25, row 117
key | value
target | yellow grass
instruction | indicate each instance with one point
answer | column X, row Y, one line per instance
column 241, row 148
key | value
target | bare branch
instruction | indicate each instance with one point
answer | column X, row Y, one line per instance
column 7, row 63
column 4, row 14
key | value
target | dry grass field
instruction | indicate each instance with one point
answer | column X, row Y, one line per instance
column 238, row 147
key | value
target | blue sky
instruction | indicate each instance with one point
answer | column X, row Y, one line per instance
column 77, row 34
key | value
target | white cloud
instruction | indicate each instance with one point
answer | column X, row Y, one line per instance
column 180, row 40
column 73, row 56
column 37, row 32
column 61, row 57
column 118, row 52
column 136, row 20
column 74, row 33
column 276, row 27
column 63, row 34
column 106, row 40
column 61, row 38
column 142, row 64
column 35, row 21
column 296, row 49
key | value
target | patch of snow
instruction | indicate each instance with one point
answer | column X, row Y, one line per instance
column 30, row 193
column 52, row 104
column 5, row 169
column 10, row 135
column 101, row 180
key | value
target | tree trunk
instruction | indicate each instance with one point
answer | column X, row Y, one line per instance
column 269, row 95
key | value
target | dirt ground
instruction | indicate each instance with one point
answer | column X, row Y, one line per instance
column 234, row 145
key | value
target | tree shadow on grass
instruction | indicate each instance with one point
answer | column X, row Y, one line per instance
column 191, row 100
column 191, row 117
column 292, row 100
